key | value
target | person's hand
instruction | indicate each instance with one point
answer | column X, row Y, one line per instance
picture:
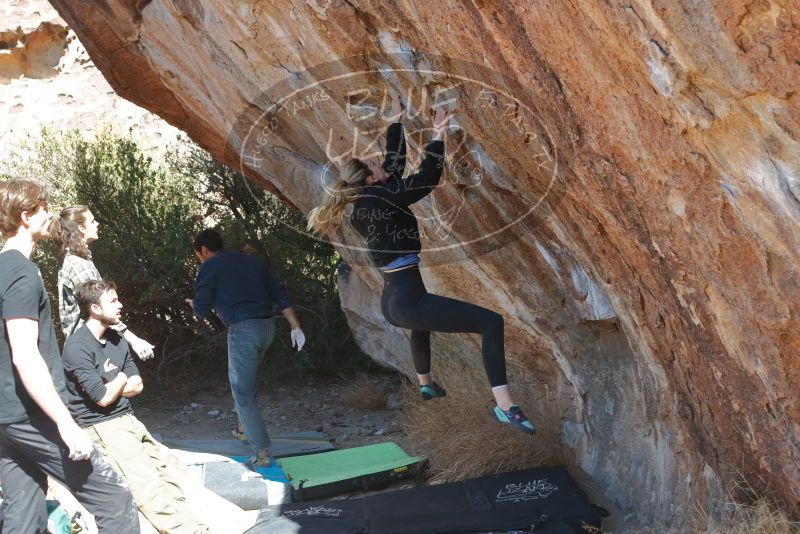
column 76, row 439
column 190, row 302
column 141, row 348
column 298, row 338
column 441, row 118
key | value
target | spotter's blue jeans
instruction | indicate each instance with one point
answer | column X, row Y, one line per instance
column 248, row 340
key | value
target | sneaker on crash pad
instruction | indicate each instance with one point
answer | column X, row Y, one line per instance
column 261, row 459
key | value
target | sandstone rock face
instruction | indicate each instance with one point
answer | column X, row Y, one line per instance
column 623, row 186
column 48, row 79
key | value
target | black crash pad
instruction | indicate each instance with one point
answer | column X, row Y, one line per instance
column 545, row 498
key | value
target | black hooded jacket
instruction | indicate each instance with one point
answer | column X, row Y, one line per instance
column 382, row 214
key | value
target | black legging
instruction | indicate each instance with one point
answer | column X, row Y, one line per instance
column 406, row 303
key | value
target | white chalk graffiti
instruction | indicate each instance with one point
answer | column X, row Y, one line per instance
column 527, row 491
column 315, row 511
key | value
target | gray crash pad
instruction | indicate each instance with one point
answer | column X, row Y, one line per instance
column 283, row 446
column 232, row 480
column 249, row 490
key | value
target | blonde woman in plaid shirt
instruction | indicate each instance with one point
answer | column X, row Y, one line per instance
column 73, row 230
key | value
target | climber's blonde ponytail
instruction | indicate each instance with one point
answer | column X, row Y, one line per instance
column 327, row 217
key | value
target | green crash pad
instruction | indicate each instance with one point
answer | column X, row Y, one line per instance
column 316, row 476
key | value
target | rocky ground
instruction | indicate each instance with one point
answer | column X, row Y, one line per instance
column 323, row 405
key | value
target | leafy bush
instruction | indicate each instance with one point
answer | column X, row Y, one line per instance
column 254, row 220
column 149, row 212
column 148, row 218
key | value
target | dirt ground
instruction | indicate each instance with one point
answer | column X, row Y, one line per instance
column 312, row 404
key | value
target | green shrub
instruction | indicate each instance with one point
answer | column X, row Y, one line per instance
column 254, row 220
column 149, row 211
column 148, row 217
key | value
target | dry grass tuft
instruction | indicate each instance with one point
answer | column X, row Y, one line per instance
column 761, row 516
column 458, row 434
column 365, row 395
column 461, row 440
column 750, row 513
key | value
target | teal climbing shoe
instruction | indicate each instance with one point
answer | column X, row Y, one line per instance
column 515, row 418
column 432, row 390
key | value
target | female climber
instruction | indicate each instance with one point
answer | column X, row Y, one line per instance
column 73, row 230
column 382, row 216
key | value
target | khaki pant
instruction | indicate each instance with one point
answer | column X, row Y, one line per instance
column 134, row 454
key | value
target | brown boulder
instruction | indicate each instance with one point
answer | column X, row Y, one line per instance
column 634, row 216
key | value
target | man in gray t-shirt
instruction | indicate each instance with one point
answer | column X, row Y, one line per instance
column 37, row 435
